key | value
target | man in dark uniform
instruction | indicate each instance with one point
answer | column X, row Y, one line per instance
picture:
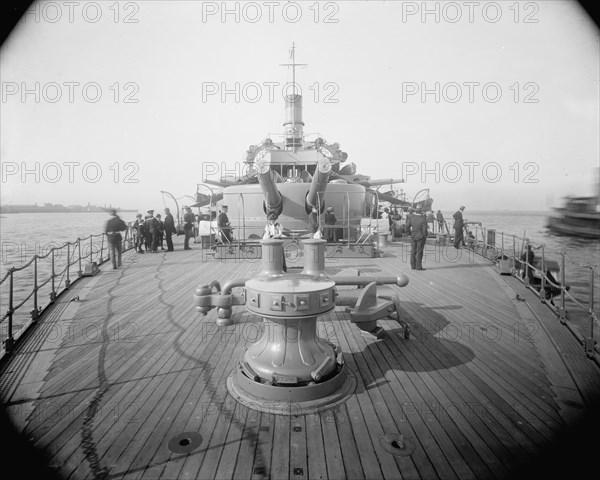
column 141, row 235
column 330, row 220
column 134, row 229
column 113, row 229
column 440, row 220
column 169, row 225
column 224, row 225
column 152, row 228
column 417, row 230
column 458, row 227
column 161, row 231
column 188, row 227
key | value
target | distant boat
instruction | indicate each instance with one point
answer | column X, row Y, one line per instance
column 580, row 217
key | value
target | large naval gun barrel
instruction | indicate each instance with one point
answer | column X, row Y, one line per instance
column 319, row 183
column 266, row 179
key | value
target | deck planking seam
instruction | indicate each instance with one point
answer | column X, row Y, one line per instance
column 434, row 452
column 460, row 466
column 493, row 379
column 378, row 391
column 122, row 367
column 218, row 396
column 568, row 347
column 384, row 353
column 498, row 372
column 177, row 399
column 521, row 352
column 138, row 391
column 451, row 394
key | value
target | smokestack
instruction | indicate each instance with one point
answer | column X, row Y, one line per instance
column 293, row 121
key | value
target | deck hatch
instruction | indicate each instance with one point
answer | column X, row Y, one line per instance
column 185, row 442
column 397, row 444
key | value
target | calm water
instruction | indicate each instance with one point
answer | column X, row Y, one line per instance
column 23, row 235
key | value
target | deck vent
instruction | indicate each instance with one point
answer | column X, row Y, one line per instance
column 185, row 442
column 396, row 444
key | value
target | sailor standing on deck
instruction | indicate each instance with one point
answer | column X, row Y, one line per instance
column 188, row 227
column 169, row 225
column 458, row 227
column 224, row 225
column 135, row 226
column 113, row 229
column 330, row 220
column 417, row 230
column 152, row 227
column 440, row 219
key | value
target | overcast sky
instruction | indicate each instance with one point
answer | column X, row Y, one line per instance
column 494, row 105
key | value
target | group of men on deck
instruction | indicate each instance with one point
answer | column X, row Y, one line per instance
column 148, row 233
column 417, row 229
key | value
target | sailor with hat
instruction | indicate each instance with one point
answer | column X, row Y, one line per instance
column 113, row 230
column 330, row 220
column 224, row 225
column 416, row 226
column 458, row 227
column 152, row 227
column 188, row 227
column 169, row 226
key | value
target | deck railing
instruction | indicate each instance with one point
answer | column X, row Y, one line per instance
column 57, row 279
column 497, row 246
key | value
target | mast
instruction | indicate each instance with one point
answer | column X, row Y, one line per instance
column 293, row 122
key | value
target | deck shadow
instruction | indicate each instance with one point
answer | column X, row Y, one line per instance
column 429, row 337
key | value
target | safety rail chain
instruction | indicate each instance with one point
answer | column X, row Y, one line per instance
column 488, row 247
column 73, row 249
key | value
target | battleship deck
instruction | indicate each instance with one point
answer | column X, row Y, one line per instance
column 123, row 364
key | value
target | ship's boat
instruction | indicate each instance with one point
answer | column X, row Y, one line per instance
column 580, row 216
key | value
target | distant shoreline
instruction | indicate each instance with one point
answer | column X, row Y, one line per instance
column 49, row 208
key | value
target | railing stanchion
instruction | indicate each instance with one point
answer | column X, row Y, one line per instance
column 10, row 340
column 68, row 280
column 514, row 253
column 526, row 279
column 53, row 291
column 589, row 342
column 562, row 313
column 101, row 260
column 543, row 274
column 80, row 271
column 34, row 312
column 91, row 248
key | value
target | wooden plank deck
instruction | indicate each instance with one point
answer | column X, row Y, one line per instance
column 484, row 385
